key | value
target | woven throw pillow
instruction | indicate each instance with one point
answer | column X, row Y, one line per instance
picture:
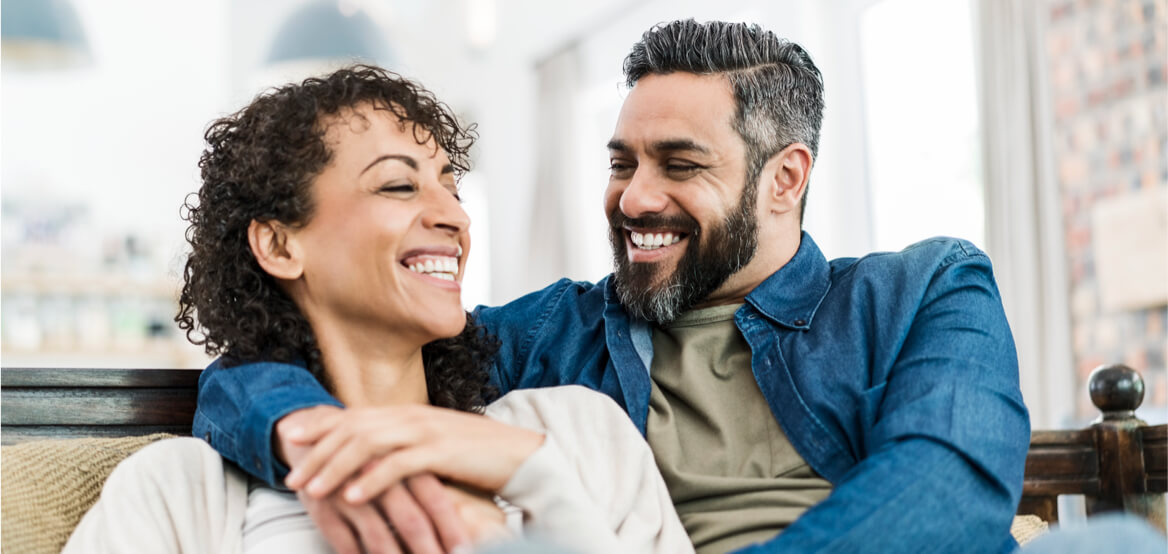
column 50, row 484
column 1027, row 528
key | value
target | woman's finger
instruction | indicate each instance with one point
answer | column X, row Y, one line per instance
column 388, row 471
column 434, row 500
column 306, row 468
column 365, row 444
column 332, row 524
column 371, row 527
column 410, row 523
column 306, row 426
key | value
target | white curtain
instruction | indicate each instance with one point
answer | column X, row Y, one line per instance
column 552, row 241
column 1024, row 234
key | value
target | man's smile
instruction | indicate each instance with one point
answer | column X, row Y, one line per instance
column 649, row 246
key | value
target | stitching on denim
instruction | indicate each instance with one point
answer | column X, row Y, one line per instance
column 525, row 346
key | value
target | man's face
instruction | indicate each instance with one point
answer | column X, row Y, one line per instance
column 682, row 220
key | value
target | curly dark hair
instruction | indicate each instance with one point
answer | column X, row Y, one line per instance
column 259, row 164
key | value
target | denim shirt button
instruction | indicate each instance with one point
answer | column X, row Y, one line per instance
column 207, row 436
column 258, row 464
column 800, row 322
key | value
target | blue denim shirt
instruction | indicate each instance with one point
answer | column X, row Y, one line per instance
column 893, row 375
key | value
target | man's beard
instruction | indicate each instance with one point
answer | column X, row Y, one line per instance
column 709, row 260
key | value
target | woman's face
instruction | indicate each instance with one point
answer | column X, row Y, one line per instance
column 386, row 244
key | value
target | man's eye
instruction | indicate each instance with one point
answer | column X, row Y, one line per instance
column 681, row 168
column 619, row 168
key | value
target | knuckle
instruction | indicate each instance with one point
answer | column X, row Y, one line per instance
column 411, row 526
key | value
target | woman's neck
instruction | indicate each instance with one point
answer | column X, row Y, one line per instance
column 370, row 369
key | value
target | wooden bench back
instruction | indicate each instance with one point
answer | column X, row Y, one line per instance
column 1116, row 464
column 71, row 403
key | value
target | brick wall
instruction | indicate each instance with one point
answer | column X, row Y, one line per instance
column 1107, row 65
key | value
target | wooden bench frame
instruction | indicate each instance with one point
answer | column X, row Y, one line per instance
column 1117, row 464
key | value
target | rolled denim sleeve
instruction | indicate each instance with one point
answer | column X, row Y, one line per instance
column 239, row 406
column 946, row 451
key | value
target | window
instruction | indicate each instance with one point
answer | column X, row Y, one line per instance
column 922, row 129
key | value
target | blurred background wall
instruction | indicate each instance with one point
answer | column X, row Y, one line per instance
column 1036, row 129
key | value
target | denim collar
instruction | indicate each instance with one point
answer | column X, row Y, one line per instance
column 791, row 295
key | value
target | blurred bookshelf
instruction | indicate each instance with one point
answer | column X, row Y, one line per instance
column 79, row 293
column 91, row 320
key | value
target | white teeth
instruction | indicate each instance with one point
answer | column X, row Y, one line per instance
column 440, row 267
column 653, row 241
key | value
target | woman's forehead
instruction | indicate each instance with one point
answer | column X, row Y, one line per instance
column 378, row 127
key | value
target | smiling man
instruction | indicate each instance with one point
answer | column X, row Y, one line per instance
column 792, row 403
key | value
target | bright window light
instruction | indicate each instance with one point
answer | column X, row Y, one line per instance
column 924, row 154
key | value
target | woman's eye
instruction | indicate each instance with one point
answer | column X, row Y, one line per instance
column 400, row 188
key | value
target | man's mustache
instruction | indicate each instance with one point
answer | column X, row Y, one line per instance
column 684, row 223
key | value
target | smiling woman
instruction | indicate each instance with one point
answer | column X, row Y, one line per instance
column 250, row 185
column 328, row 232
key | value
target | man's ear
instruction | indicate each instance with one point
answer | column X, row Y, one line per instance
column 786, row 175
column 275, row 248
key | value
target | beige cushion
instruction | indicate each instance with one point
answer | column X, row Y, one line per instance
column 1027, row 528
column 50, row 484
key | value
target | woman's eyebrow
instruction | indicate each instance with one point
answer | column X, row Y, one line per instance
column 399, row 157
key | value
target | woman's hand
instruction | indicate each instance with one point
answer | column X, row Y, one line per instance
column 374, row 448
column 423, row 515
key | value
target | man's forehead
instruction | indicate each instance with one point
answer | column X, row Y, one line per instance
column 677, row 111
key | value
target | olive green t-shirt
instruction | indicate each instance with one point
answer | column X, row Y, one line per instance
column 733, row 475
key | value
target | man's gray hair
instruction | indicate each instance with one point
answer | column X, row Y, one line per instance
column 777, row 88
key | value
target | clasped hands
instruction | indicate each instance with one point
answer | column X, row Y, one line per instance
column 370, row 477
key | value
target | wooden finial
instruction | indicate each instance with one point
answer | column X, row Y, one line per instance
column 1117, row 390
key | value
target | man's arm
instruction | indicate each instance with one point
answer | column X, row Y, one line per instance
column 946, row 453
column 239, row 406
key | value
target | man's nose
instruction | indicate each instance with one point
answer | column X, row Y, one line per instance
column 644, row 195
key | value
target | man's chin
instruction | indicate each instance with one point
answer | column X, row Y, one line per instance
column 647, row 276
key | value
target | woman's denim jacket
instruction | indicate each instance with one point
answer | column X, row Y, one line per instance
column 894, row 376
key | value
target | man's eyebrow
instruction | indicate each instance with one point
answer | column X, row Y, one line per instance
column 399, row 157
column 662, row 146
column 679, row 145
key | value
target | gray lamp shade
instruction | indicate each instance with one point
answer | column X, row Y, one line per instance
column 42, row 33
column 320, row 31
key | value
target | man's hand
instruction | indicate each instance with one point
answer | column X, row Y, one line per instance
column 422, row 513
column 373, row 448
column 353, row 529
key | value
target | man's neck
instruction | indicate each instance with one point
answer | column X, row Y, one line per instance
column 767, row 260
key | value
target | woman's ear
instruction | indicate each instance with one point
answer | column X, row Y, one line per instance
column 275, row 248
column 789, row 170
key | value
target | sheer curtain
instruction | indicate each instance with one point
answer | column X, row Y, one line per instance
column 1023, row 220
